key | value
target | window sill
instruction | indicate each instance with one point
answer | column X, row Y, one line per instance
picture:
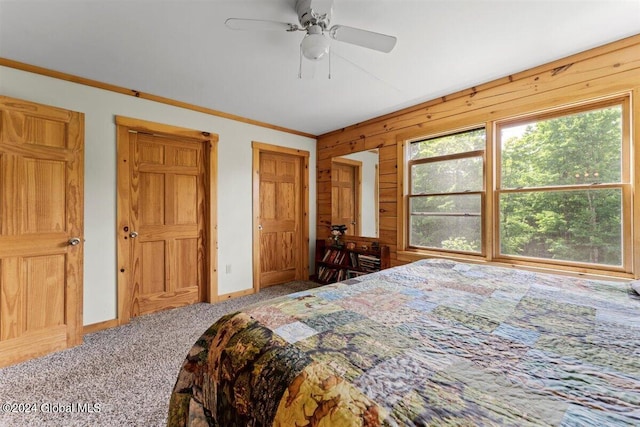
column 415, row 255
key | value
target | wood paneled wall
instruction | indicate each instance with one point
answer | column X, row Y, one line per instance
column 599, row 72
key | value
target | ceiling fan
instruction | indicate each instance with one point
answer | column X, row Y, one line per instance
column 315, row 44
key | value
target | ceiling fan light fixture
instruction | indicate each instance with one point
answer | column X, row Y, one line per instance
column 315, row 45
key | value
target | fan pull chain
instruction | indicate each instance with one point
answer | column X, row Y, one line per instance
column 300, row 66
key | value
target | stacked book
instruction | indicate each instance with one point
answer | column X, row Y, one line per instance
column 368, row 263
column 327, row 274
column 334, row 256
column 354, row 259
column 352, row 273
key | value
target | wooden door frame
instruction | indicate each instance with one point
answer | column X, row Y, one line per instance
column 302, row 269
column 210, row 143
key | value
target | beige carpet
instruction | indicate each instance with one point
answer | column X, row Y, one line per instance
column 119, row 377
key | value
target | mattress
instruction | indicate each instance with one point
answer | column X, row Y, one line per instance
column 434, row 342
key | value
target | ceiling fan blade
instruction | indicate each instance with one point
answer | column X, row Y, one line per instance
column 259, row 25
column 364, row 38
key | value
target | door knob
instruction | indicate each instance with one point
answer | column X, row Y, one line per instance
column 133, row 234
column 74, row 241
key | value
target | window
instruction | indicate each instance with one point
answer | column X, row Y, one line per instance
column 561, row 186
column 446, row 184
column 558, row 190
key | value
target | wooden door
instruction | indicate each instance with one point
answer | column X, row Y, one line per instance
column 279, row 218
column 167, row 212
column 345, row 190
column 41, row 229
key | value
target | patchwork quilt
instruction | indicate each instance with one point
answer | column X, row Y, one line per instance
column 430, row 343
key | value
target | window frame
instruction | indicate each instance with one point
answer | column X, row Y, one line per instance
column 490, row 252
column 624, row 185
column 442, row 158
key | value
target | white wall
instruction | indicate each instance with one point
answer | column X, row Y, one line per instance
column 234, row 178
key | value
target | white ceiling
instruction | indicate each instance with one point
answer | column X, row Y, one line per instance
column 182, row 50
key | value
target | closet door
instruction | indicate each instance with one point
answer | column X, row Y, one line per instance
column 280, row 225
column 41, row 229
column 167, row 200
column 281, row 217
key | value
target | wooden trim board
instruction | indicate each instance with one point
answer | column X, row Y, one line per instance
column 135, row 93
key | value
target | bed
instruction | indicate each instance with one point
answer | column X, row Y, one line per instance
column 434, row 342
